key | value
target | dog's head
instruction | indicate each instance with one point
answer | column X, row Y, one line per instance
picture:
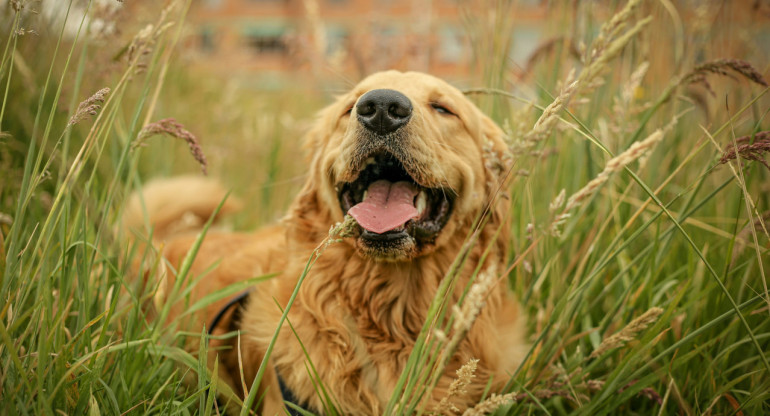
column 405, row 154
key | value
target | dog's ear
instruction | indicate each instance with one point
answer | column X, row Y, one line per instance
column 308, row 212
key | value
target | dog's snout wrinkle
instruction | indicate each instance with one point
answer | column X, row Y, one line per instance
column 383, row 111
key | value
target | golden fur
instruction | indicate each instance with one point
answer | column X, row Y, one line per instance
column 359, row 311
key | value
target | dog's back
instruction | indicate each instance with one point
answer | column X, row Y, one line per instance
column 176, row 206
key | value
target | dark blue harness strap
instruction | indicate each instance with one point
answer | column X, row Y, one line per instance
column 238, row 302
column 289, row 397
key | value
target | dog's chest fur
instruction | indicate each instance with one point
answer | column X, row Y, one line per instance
column 357, row 321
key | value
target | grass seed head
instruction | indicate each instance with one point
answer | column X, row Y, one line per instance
column 171, row 127
column 629, row 332
column 491, row 404
column 612, row 39
column 89, row 107
column 748, row 149
column 723, row 67
column 466, row 314
column 458, row 387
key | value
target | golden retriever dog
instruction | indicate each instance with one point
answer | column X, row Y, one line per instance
column 417, row 166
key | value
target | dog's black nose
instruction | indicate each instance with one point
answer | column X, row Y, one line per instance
column 383, row 111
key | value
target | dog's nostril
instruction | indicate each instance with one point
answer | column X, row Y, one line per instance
column 397, row 110
column 383, row 111
column 366, row 109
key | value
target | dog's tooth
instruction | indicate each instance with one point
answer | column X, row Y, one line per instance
column 421, row 203
column 363, row 198
column 369, row 161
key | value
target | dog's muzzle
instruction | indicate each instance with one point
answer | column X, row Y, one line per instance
column 383, row 111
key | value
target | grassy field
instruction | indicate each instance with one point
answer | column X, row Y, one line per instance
column 641, row 193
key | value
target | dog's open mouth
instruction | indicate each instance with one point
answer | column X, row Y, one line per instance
column 389, row 205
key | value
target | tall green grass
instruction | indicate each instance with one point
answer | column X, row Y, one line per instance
column 677, row 233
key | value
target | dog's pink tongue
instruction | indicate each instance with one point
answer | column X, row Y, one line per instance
column 387, row 206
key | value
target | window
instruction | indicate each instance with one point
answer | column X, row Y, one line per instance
column 207, row 42
column 266, row 38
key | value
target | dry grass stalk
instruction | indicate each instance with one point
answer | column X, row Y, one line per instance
column 318, row 34
column 491, row 404
column 743, row 236
column 457, row 388
column 634, row 81
column 748, row 148
column 606, row 47
column 612, row 29
column 724, row 67
column 629, row 332
column 466, row 314
column 142, row 44
column 495, row 162
column 557, row 202
column 637, row 150
column 89, row 107
column 625, row 104
column 171, row 127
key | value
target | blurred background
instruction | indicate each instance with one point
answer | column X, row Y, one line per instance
column 244, row 79
column 247, row 75
column 277, row 43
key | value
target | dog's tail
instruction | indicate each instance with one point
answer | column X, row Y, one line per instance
column 174, row 206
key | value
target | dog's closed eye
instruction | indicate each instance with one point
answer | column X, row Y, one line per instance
column 442, row 109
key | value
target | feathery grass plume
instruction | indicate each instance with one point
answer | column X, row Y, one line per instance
column 343, row 229
column 606, row 46
column 338, row 231
column 631, row 87
column 628, row 333
column 457, row 388
column 748, row 149
column 625, row 104
column 557, row 202
column 466, row 314
column 611, row 30
column 724, row 67
column 144, row 41
column 491, row 404
column 495, row 162
column 89, row 107
column 171, row 127
column 634, row 152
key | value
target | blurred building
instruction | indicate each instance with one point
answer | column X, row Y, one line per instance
column 273, row 41
column 344, row 36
